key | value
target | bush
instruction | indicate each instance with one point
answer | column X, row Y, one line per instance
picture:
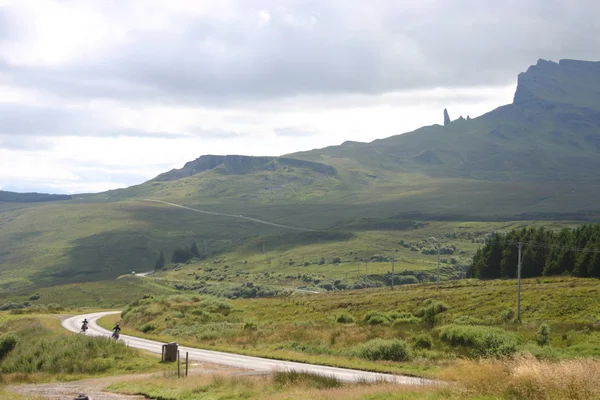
column 148, row 328
column 389, row 350
column 507, row 315
column 411, row 319
column 542, row 336
column 422, row 341
column 7, row 344
column 482, row 340
column 378, row 318
column 345, row 318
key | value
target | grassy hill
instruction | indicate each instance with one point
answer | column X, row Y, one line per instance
column 534, row 159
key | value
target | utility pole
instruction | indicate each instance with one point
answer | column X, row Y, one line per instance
column 519, row 244
column 393, row 264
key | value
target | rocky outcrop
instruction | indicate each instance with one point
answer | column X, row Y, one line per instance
column 239, row 165
column 446, row 117
column 548, row 84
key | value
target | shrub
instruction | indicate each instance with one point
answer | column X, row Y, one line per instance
column 345, row 318
column 507, row 315
column 148, row 328
column 542, row 336
column 422, row 341
column 7, row 344
column 380, row 349
column 398, row 322
column 483, row 341
column 379, row 318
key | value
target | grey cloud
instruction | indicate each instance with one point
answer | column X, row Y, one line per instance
column 213, row 133
column 19, row 121
column 341, row 46
column 13, row 142
column 294, row 131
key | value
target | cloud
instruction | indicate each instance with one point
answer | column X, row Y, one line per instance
column 236, row 53
column 20, row 121
column 113, row 92
column 292, row 131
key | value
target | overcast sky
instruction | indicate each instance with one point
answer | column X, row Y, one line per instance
column 102, row 94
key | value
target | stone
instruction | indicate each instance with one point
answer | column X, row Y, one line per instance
column 446, row 117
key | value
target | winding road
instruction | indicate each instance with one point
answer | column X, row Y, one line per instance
column 73, row 324
column 258, row 221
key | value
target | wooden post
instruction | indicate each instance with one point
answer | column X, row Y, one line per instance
column 178, row 365
column 187, row 361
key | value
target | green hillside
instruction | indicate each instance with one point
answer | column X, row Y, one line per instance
column 534, row 159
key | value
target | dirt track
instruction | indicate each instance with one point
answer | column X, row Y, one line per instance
column 94, row 387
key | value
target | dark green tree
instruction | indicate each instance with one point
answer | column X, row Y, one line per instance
column 194, row 250
column 160, row 261
column 181, row 255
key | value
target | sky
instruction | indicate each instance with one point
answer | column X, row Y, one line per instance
column 96, row 95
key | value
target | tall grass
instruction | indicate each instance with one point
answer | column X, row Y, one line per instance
column 527, row 378
column 38, row 349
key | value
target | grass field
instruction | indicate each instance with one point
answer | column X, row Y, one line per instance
column 106, row 294
column 316, row 261
column 523, row 378
column 333, row 328
column 41, row 351
column 341, row 259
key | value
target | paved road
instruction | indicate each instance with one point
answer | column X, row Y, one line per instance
column 259, row 221
column 73, row 324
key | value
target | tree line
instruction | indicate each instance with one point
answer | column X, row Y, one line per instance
column 180, row 255
column 545, row 252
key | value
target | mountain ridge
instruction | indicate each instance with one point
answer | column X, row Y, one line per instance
column 535, row 158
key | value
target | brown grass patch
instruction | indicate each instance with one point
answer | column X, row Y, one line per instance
column 527, row 378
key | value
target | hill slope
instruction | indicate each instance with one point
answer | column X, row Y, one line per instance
column 533, row 159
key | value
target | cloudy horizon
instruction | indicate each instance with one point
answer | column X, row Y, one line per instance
column 102, row 95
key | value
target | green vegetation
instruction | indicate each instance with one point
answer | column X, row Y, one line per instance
column 513, row 164
column 521, row 378
column 470, row 319
column 35, row 348
column 545, row 252
column 103, row 294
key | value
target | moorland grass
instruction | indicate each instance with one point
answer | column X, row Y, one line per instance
column 521, row 378
column 470, row 320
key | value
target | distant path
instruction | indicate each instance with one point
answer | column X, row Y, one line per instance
column 73, row 324
column 259, row 221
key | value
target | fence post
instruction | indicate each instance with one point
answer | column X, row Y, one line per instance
column 187, row 360
column 178, row 365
